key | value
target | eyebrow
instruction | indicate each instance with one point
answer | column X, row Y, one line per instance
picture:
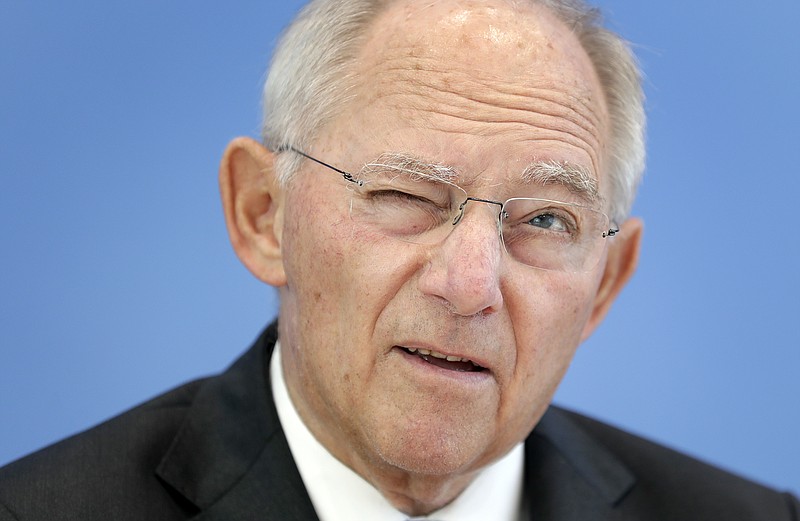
column 407, row 164
column 575, row 178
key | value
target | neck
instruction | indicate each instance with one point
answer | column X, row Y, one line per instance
column 412, row 493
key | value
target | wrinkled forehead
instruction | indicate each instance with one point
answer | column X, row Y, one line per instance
column 510, row 41
column 486, row 78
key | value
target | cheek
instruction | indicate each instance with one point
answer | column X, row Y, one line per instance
column 312, row 264
column 559, row 306
column 548, row 331
column 312, row 256
column 340, row 277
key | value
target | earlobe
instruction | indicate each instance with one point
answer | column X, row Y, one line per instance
column 252, row 199
column 623, row 257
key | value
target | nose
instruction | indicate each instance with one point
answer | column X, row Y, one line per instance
column 465, row 269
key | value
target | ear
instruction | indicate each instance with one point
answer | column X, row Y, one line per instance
column 252, row 200
column 623, row 257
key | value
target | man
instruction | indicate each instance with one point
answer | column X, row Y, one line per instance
column 442, row 203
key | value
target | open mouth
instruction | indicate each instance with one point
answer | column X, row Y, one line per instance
column 451, row 363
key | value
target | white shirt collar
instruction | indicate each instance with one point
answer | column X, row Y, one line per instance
column 339, row 494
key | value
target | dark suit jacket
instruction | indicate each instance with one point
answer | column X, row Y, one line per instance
column 213, row 449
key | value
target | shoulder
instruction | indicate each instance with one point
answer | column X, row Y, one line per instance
column 112, row 463
column 162, row 460
column 681, row 487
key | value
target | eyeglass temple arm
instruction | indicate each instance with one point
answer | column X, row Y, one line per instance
column 347, row 175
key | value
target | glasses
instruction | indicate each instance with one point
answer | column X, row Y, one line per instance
column 414, row 207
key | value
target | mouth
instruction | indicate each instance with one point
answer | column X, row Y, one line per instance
column 449, row 362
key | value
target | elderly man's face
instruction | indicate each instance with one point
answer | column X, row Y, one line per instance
column 488, row 91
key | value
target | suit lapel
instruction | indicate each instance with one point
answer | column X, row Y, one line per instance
column 230, row 457
column 571, row 477
column 271, row 490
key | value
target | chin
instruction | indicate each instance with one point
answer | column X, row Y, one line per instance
column 441, row 452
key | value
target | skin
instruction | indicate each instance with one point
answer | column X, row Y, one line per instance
column 433, row 86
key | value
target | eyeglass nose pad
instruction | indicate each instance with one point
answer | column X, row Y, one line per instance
column 502, row 216
column 460, row 215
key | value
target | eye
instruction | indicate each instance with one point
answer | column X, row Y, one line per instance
column 550, row 221
column 404, row 197
column 396, row 194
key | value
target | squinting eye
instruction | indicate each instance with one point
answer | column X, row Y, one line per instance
column 394, row 194
column 400, row 197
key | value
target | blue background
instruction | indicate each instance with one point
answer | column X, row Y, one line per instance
column 118, row 281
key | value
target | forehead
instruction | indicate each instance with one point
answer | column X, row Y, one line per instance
column 525, row 31
column 470, row 82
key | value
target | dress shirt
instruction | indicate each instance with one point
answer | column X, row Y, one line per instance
column 339, row 494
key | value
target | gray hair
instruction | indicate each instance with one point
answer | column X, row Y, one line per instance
column 311, row 78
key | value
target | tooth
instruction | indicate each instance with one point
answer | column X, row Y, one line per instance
column 436, row 354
